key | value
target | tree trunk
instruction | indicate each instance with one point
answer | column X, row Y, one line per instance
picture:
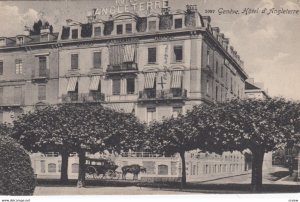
column 64, row 167
column 257, row 164
column 81, row 173
column 183, row 172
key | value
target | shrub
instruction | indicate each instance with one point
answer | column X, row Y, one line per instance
column 16, row 173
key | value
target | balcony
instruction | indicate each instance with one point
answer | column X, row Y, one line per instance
column 122, row 68
column 83, row 97
column 168, row 94
column 42, row 74
column 12, row 101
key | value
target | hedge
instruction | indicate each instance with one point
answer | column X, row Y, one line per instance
column 16, row 173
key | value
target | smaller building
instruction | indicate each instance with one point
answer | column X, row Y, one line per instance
column 255, row 90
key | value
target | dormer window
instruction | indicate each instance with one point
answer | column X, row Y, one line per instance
column 178, row 23
column 128, row 28
column 97, row 31
column 152, row 26
column 74, row 33
column 119, row 29
column 20, row 40
column 3, row 42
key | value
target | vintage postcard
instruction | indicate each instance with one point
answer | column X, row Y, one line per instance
column 149, row 97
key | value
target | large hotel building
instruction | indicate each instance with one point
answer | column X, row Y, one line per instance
column 153, row 66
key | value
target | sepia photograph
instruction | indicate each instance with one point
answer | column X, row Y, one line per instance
column 149, row 97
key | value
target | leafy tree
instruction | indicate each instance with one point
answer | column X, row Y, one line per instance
column 43, row 130
column 16, row 173
column 178, row 135
column 80, row 128
column 258, row 125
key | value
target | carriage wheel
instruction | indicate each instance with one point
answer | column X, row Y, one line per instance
column 109, row 174
column 91, row 170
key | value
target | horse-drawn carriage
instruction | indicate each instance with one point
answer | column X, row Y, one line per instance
column 101, row 168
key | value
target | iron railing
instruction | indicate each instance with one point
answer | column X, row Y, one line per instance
column 163, row 94
column 83, row 97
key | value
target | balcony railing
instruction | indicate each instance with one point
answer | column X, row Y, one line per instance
column 41, row 74
column 144, row 155
column 122, row 67
column 12, row 101
column 83, row 97
column 152, row 94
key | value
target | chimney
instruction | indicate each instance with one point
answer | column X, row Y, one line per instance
column 26, row 31
column 191, row 8
column 206, row 20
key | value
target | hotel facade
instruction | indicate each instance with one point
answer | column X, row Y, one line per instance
column 154, row 66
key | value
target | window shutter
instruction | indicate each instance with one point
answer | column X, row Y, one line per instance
column 116, row 86
column 74, row 61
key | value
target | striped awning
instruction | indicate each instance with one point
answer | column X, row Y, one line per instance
column 116, row 54
column 150, row 79
column 176, row 79
column 121, row 107
column 129, row 51
column 72, row 84
column 94, row 84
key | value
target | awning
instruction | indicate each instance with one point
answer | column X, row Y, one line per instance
column 72, row 83
column 116, row 55
column 129, row 53
column 149, row 79
column 94, row 84
column 176, row 79
column 121, row 107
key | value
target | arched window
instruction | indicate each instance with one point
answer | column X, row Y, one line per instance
column 162, row 169
column 51, row 168
column 75, row 167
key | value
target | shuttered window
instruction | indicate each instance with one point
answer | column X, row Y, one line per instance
column 128, row 28
column 74, row 61
column 97, row 60
column 116, row 86
column 19, row 68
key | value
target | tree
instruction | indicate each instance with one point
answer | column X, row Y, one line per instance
column 37, row 26
column 258, row 125
column 81, row 128
column 43, row 130
column 16, row 173
column 179, row 135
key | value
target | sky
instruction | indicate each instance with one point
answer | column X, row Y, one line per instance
column 267, row 44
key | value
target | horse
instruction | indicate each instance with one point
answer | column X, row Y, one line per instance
column 135, row 169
